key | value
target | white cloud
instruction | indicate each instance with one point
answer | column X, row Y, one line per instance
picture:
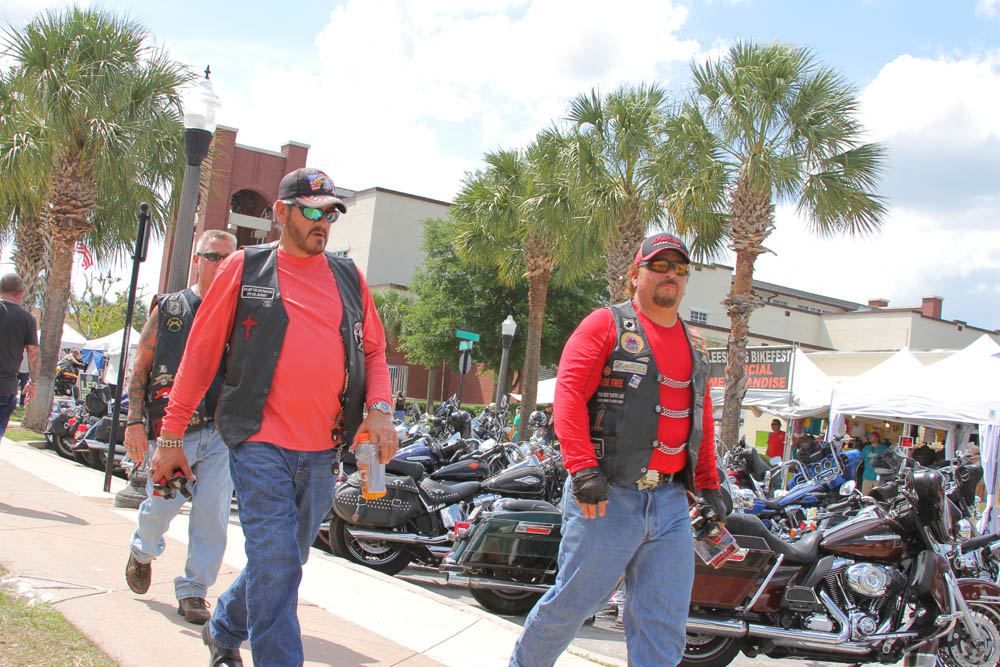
column 988, row 8
column 410, row 95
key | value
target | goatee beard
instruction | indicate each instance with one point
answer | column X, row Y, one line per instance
column 664, row 301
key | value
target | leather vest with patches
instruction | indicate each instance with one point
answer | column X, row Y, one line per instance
column 624, row 416
column 176, row 313
column 258, row 334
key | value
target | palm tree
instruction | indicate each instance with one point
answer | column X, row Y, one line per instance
column 767, row 123
column 612, row 152
column 99, row 128
column 519, row 214
column 392, row 305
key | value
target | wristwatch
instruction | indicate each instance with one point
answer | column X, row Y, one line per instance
column 381, row 406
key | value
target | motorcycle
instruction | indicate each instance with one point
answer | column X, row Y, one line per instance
column 871, row 589
column 414, row 520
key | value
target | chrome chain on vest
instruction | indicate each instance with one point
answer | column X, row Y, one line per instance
column 670, row 382
column 675, row 414
column 670, row 451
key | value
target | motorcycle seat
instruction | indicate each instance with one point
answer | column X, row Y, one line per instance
column 802, row 552
column 523, row 505
column 438, row 492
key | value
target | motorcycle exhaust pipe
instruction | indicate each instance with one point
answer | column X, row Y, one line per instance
column 476, row 582
column 402, row 538
column 829, row 641
column 706, row 626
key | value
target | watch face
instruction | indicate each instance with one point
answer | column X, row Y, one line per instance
column 381, row 406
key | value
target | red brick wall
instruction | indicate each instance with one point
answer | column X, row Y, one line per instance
column 477, row 388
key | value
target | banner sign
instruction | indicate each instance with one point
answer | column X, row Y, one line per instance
column 769, row 368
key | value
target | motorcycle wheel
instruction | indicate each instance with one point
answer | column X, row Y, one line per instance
column 81, row 456
column 385, row 557
column 709, row 651
column 59, row 444
column 961, row 651
column 511, row 603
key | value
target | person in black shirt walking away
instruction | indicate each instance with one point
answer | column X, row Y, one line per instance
column 18, row 336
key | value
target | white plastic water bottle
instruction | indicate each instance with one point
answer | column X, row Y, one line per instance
column 371, row 470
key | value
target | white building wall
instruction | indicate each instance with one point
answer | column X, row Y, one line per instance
column 352, row 233
column 395, row 247
column 931, row 334
column 869, row 331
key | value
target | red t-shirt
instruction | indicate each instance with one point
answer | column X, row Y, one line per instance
column 580, row 369
column 775, row 444
column 304, row 400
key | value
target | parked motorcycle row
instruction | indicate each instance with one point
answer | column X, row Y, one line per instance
column 81, row 429
column 822, row 573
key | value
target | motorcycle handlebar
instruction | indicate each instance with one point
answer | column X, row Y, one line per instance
column 977, row 542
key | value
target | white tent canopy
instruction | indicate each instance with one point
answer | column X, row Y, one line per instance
column 546, row 392
column 111, row 347
column 809, row 395
column 71, row 338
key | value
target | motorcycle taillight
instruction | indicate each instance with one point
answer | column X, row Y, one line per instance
column 461, row 529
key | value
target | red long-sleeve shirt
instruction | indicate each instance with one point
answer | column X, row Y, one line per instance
column 304, row 400
column 580, row 368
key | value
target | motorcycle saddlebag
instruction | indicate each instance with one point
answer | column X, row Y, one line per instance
column 736, row 581
column 400, row 503
column 516, row 543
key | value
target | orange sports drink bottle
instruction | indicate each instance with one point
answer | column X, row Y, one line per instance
column 371, row 470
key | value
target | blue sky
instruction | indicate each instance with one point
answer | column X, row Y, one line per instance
column 409, row 95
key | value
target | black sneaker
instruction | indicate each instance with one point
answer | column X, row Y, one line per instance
column 220, row 657
column 138, row 575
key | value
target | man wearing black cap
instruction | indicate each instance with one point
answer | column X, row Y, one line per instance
column 306, row 357
column 634, row 420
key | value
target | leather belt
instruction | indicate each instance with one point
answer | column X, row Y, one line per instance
column 655, row 478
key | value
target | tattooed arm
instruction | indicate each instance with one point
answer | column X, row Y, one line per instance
column 135, row 434
column 29, row 389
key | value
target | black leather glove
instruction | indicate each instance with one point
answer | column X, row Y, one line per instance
column 713, row 498
column 590, row 487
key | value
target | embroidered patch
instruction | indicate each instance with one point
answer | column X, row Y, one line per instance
column 256, row 292
column 644, row 360
column 598, row 447
column 359, row 336
column 634, row 381
column 628, row 324
column 162, row 392
column 607, row 370
column 173, row 307
column 248, row 322
column 624, row 366
column 163, row 379
column 632, row 342
column 174, row 324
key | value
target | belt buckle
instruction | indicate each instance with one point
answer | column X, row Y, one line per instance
column 650, row 480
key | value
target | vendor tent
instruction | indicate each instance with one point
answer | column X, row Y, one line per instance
column 808, row 395
column 545, row 393
column 71, row 338
column 110, row 348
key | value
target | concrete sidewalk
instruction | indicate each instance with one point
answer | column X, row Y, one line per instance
column 62, row 539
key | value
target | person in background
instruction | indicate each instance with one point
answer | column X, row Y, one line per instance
column 18, row 337
column 23, row 377
column 923, row 454
column 399, row 406
column 869, row 455
column 775, row 443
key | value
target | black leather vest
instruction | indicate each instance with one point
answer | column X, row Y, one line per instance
column 176, row 314
column 258, row 334
column 624, row 415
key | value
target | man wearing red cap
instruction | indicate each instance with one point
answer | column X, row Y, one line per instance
column 634, row 420
column 305, row 357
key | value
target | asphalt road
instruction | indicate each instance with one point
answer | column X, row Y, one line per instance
column 605, row 637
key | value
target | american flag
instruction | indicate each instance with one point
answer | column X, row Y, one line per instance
column 88, row 260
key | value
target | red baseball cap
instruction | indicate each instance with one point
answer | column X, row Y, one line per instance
column 657, row 243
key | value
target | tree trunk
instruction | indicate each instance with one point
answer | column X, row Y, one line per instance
column 30, row 259
column 538, row 291
column 621, row 249
column 751, row 221
column 430, row 391
column 57, row 286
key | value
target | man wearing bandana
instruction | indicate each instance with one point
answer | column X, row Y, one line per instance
column 634, row 419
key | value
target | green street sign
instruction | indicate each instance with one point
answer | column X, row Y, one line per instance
column 467, row 335
column 465, row 345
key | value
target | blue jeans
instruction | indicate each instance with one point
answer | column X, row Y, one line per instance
column 212, row 494
column 283, row 496
column 646, row 535
column 7, row 404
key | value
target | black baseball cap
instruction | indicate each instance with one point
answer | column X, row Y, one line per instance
column 310, row 187
column 657, row 243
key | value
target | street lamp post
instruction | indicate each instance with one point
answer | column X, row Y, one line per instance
column 507, row 329
column 200, row 108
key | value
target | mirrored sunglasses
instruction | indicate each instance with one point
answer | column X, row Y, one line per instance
column 213, row 256
column 314, row 214
column 664, row 265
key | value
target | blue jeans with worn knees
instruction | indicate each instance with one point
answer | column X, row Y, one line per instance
column 283, row 496
column 8, row 402
column 208, row 521
column 646, row 535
